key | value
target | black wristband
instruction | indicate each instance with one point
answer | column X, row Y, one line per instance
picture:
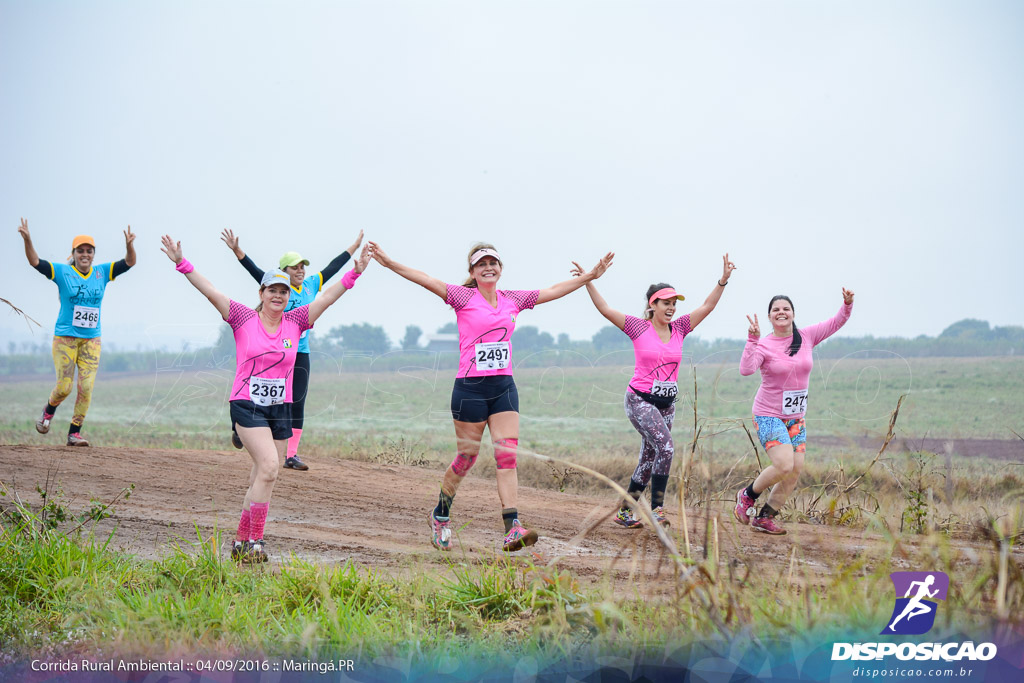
column 722, row 284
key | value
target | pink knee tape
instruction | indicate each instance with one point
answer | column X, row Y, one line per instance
column 505, row 453
column 462, row 463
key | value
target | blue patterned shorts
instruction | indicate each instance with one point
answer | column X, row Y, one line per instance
column 774, row 431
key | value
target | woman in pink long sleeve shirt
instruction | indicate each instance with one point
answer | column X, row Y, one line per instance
column 784, row 359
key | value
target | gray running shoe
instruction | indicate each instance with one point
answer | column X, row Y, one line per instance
column 76, row 439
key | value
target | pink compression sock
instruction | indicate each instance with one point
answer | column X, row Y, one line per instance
column 293, row 442
column 258, row 520
column 243, row 527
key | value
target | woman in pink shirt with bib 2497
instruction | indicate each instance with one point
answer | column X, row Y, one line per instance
column 651, row 395
column 266, row 342
column 485, row 394
column 784, row 359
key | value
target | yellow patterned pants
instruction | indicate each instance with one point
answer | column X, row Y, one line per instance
column 70, row 353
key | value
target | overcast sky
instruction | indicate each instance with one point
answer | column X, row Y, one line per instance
column 872, row 145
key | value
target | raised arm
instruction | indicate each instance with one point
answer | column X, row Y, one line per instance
column 709, row 304
column 616, row 318
column 334, row 292
column 819, row 332
column 219, row 300
column 30, row 251
column 753, row 355
column 340, row 260
column 228, row 237
column 429, row 283
column 562, row 288
column 129, row 247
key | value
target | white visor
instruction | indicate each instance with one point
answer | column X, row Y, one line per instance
column 480, row 253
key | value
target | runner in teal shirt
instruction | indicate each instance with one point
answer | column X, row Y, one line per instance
column 76, row 336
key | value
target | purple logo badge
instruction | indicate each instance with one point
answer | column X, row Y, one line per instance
column 917, row 594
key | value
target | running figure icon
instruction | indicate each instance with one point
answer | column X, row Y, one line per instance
column 916, row 607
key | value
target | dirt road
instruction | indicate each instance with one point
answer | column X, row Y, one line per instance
column 377, row 515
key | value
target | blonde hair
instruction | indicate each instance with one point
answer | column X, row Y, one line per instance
column 471, row 281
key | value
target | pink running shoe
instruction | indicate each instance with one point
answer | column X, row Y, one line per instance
column 442, row 532
column 518, row 537
column 744, row 503
column 768, row 525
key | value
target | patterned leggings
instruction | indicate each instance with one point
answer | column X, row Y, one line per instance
column 655, row 426
column 69, row 353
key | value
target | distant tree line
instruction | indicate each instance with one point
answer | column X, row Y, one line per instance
column 363, row 346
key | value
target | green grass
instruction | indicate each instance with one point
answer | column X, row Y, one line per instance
column 70, row 593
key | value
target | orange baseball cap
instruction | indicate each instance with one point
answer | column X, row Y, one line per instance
column 82, row 239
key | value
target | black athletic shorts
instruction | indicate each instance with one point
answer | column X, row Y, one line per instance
column 278, row 418
column 474, row 399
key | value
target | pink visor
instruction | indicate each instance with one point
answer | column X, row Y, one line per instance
column 480, row 253
column 667, row 293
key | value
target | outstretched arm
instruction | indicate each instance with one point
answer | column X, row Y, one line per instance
column 129, row 247
column 340, row 260
column 616, row 318
column 217, row 298
column 562, row 288
column 30, row 251
column 419, row 277
column 334, row 292
column 819, row 332
column 228, row 237
column 709, row 304
column 753, row 355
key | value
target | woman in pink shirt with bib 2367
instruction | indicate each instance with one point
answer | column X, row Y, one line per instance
column 266, row 341
column 484, row 394
column 651, row 395
column 784, row 359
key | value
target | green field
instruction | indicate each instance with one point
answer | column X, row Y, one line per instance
column 566, row 410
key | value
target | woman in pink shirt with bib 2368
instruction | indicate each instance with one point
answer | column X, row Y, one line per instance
column 266, row 341
column 784, row 359
column 484, row 394
column 651, row 395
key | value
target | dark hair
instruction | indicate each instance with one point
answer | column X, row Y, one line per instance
column 471, row 281
column 648, row 314
column 794, row 347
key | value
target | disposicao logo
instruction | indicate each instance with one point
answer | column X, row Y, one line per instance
column 914, row 611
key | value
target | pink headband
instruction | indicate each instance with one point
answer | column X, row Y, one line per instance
column 480, row 253
column 666, row 293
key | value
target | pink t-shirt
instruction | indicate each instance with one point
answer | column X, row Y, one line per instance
column 264, row 362
column 785, row 378
column 657, row 362
column 485, row 331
